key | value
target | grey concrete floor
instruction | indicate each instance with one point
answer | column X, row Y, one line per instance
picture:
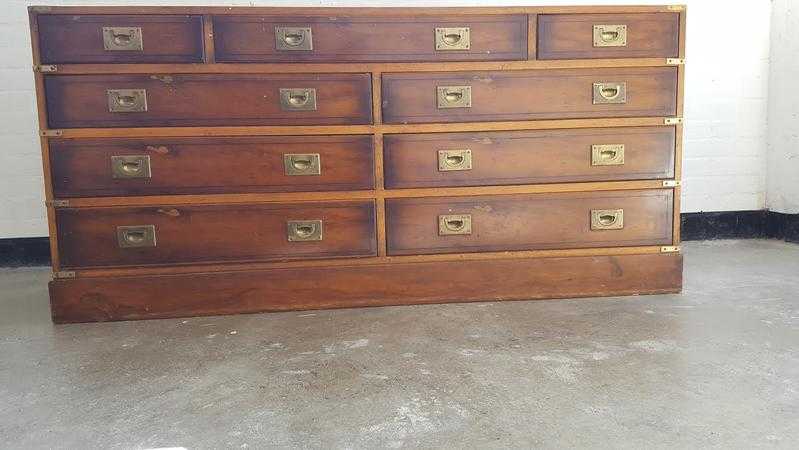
column 717, row 366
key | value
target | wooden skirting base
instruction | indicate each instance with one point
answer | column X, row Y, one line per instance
column 200, row 294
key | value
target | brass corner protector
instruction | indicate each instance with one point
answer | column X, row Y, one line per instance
column 45, row 68
column 673, row 120
column 64, row 274
column 672, row 183
column 57, row 203
column 675, row 61
column 670, row 249
column 51, row 133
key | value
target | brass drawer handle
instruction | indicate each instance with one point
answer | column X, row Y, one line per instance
column 607, row 219
column 124, row 39
column 453, row 39
column 127, row 100
column 302, row 164
column 610, row 35
column 298, row 99
column 610, row 92
column 454, row 96
column 449, row 160
column 131, row 166
column 607, row 154
column 304, row 230
column 136, row 236
column 454, row 224
column 293, row 38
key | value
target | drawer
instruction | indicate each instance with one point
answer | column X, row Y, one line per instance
column 527, row 157
column 530, row 221
column 148, row 166
column 529, row 95
column 580, row 36
column 75, row 101
column 348, row 38
column 141, row 236
column 65, row 39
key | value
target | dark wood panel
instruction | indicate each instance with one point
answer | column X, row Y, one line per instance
column 339, row 38
column 570, row 36
column 528, row 157
column 529, row 94
column 75, row 101
column 65, row 39
column 150, row 297
column 529, row 222
column 214, row 233
column 82, row 167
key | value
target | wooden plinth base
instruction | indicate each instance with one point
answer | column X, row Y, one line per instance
column 285, row 289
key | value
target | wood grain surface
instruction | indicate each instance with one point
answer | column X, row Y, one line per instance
column 338, row 38
column 214, row 233
column 528, row 222
column 528, row 157
column 529, row 95
column 82, row 167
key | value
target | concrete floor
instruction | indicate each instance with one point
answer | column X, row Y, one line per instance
column 717, row 366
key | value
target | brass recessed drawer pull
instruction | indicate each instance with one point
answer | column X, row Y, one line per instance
column 298, row 99
column 452, row 39
column 131, row 166
column 607, row 154
column 454, row 96
column 302, row 164
column 449, row 160
column 607, row 219
column 293, row 38
column 610, row 35
column 453, row 224
column 124, row 39
column 127, row 100
column 136, row 236
column 610, row 92
column 304, row 230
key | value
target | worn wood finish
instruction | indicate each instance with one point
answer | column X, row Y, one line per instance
column 207, row 100
column 570, row 36
column 214, row 233
column 65, row 39
column 220, row 201
column 351, row 39
column 527, row 157
column 529, row 95
column 523, row 222
column 354, row 11
column 448, row 66
column 192, row 199
column 151, row 297
column 82, row 167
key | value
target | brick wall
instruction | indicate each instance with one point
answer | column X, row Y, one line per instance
column 726, row 103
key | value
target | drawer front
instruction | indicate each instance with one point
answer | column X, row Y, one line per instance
column 529, row 95
column 527, row 157
column 345, row 38
column 140, row 236
column 207, row 100
column 65, row 39
column 580, row 36
column 147, row 166
column 530, row 221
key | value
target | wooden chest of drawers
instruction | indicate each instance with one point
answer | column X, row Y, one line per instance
column 214, row 160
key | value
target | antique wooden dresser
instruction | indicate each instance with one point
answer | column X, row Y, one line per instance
column 215, row 160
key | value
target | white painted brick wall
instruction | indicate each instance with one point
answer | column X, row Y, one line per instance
column 783, row 109
column 726, row 103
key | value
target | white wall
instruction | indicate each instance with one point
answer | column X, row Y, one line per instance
column 726, row 102
column 782, row 193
